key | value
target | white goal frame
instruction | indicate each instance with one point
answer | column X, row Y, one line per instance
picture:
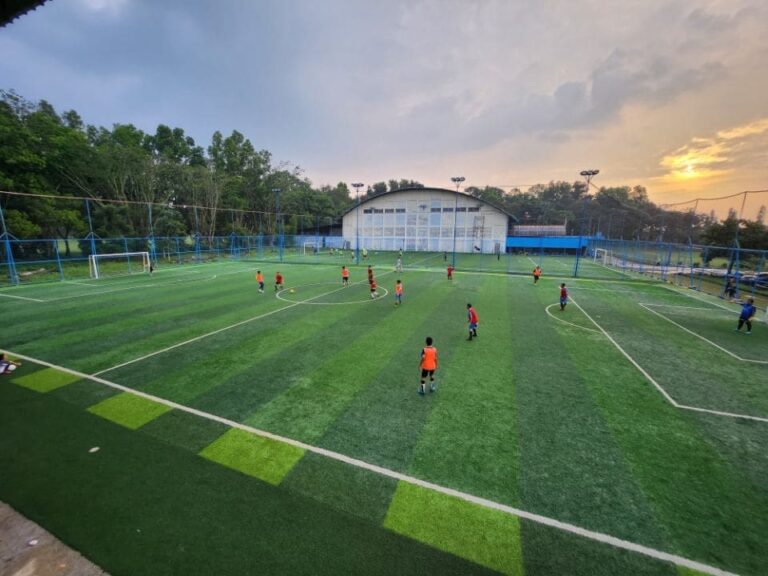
column 93, row 262
column 315, row 246
column 605, row 254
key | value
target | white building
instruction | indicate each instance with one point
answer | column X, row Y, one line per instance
column 424, row 219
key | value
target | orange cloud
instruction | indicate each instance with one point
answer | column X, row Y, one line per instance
column 708, row 158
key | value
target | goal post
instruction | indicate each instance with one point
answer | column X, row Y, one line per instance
column 118, row 264
column 311, row 248
column 601, row 255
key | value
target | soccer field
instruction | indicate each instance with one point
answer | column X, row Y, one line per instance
column 281, row 433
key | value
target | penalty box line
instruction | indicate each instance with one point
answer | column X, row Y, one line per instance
column 658, row 386
column 485, row 503
column 692, row 333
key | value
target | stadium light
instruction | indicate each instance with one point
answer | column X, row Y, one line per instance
column 357, row 186
column 588, row 175
column 277, row 191
column 456, row 180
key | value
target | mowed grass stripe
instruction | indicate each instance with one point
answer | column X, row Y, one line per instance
column 108, row 330
column 487, row 537
column 547, row 552
column 308, row 408
column 571, row 466
column 470, row 439
column 227, row 360
column 141, row 506
column 262, row 458
column 45, row 380
column 382, row 423
column 231, row 373
column 724, row 384
column 281, row 357
column 130, row 331
column 699, row 498
column 129, row 410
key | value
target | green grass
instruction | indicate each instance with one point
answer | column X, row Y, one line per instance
column 536, row 413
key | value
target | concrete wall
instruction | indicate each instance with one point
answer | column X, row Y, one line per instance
column 423, row 220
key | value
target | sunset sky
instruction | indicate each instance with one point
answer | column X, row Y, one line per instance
column 671, row 95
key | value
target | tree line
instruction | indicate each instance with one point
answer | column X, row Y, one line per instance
column 123, row 170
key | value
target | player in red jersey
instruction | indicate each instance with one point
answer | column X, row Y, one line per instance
column 472, row 319
column 563, row 296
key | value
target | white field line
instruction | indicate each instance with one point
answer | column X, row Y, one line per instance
column 692, row 333
column 485, row 503
column 566, row 321
column 677, row 306
column 214, row 332
column 77, row 283
column 692, row 294
column 132, row 286
column 21, row 297
column 658, row 386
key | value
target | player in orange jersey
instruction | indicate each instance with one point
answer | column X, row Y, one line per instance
column 428, row 366
column 344, row 276
column 260, row 280
column 398, row 293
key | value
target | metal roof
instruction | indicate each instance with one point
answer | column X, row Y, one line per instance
column 420, row 189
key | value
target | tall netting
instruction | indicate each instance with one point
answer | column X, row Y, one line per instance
column 714, row 245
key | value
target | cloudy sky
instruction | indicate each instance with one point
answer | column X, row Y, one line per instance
column 671, row 95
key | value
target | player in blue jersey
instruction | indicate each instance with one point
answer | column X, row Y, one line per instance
column 748, row 311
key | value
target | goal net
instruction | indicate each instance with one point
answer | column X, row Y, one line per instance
column 601, row 255
column 311, row 248
column 120, row 264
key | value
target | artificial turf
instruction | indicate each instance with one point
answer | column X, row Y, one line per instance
column 535, row 413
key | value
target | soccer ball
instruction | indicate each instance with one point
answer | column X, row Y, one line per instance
column 291, row 291
column 10, row 368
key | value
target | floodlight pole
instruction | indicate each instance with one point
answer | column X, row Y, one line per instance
column 278, row 222
column 357, row 186
column 588, row 175
column 457, row 180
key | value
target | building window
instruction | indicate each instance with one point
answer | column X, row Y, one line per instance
column 461, row 209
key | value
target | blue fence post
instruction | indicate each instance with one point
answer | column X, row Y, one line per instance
column 91, row 236
column 13, row 277
column 58, row 258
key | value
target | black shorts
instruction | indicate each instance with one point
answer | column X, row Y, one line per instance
column 425, row 373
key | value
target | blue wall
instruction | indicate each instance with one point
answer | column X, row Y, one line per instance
column 547, row 242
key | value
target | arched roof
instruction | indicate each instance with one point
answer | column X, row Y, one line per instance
column 367, row 199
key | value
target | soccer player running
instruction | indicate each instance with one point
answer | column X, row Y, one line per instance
column 344, row 276
column 260, row 280
column 398, row 293
column 428, row 366
column 563, row 296
column 450, row 272
column 536, row 274
column 278, row 281
column 748, row 311
column 373, row 289
column 472, row 319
